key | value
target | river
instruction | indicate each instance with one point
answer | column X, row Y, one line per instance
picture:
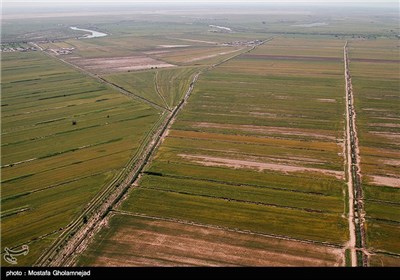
column 95, row 34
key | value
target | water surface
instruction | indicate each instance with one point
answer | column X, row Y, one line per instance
column 95, row 34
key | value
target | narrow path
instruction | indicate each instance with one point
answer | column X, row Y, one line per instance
column 350, row 188
column 356, row 215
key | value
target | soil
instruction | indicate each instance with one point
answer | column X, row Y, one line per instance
column 327, row 100
column 392, row 162
column 260, row 166
column 118, row 64
column 173, row 46
column 196, row 41
column 386, row 181
column 158, row 52
column 210, row 56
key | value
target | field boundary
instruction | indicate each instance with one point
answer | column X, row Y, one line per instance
column 186, row 222
column 356, row 215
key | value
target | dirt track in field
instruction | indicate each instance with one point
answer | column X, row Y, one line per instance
column 211, row 55
column 327, row 100
column 118, row 64
column 260, row 166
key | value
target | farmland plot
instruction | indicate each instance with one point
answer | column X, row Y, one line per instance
column 375, row 71
column 64, row 137
column 156, row 243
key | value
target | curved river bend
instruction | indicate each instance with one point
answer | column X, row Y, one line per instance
column 95, row 34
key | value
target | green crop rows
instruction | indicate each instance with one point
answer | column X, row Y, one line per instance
column 64, row 137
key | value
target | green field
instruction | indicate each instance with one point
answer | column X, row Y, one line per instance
column 52, row 168
column 376, row 89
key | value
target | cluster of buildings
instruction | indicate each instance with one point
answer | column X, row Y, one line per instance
column 15, row 48
column 62, row 51
column 242, row 43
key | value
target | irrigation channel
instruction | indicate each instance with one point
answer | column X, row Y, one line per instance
column 355, row 194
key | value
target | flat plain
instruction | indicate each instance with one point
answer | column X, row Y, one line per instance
column 249, row 171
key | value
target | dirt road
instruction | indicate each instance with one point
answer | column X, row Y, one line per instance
column 355, row 198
